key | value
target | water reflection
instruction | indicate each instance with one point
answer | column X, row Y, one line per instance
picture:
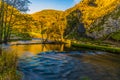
column 37, row 48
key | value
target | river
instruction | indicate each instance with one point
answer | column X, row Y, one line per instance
column 60, row 62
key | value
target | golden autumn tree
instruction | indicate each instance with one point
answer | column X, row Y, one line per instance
column 8, row 10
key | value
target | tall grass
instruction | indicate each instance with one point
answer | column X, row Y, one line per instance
column 8, row 66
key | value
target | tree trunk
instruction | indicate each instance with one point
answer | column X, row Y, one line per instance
column 1, row 20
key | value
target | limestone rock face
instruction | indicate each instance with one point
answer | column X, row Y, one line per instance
column 106, row 25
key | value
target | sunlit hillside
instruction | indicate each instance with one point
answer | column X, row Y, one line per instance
column 93, row 9
column 48, row 15
column 71, row 23
column 89, row 12
column 49, row 22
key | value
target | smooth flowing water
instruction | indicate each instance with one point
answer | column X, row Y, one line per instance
column 56, row 62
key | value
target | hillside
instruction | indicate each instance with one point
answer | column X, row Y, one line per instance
column 49, row 22
column 94, row 9
column 48, row 15
column 107, row 27
column 90, row 12
column 89, row 18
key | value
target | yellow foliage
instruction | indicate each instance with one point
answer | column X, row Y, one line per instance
column 94, row 9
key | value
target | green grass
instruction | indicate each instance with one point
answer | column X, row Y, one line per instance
column 116, row 36
column 8, row 66
column 97, row 47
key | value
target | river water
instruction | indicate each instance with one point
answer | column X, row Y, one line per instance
column 58, row 62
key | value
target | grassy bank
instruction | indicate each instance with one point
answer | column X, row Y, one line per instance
column 97, row 47
column 8, row 66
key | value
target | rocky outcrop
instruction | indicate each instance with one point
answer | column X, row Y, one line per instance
column 75, row 26
column 105, row 25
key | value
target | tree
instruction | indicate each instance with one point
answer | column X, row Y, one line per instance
column 8, row 10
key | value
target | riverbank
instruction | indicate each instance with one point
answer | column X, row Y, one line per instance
column 13, row 40
column 32, row 41
column 8, row 66
column 97, row 47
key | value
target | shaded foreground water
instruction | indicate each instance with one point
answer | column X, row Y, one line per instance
column 53, row 62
